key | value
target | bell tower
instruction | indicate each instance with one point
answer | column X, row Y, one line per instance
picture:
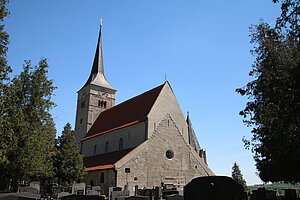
column 95, row 96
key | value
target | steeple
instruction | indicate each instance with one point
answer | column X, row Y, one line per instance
column 97, row 76
column 95, row 96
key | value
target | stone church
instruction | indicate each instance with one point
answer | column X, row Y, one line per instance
column 144, row 141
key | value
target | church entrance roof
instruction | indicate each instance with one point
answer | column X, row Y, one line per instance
column 104, row 161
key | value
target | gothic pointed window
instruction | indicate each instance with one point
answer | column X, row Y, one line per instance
column 106, row 147
column 95, row 149
column 121, row 144
column 102, row 178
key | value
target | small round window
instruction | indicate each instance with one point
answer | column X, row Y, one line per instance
column 169, row 154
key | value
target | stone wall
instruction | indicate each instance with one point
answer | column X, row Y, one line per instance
column 167, row 103
column 95, row 176
column 149, row 166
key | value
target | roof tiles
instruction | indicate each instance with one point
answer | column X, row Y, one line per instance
column 130, row 112
column 104, row 161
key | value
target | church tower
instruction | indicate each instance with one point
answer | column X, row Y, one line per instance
column 95, row 96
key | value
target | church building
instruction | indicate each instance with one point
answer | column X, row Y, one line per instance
column 144, row 141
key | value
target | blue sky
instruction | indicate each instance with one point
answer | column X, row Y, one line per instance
column 202, row 47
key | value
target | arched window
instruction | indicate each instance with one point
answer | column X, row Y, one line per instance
column 99, row 103
column 95, row 149
column 121, row 144
column 106, row 147
column 102, row 178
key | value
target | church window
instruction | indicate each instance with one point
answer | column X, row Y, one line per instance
column 99, row 103
column 169, row 154
column 135, row 178
column 95, row 149
column 106, row 147
column 121, row 144
column 102, row 178
column 104, row 104
column 81, row 121
column 168, row 123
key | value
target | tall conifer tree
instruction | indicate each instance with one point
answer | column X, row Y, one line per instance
column 69, row 161
column 29, row 124
column 237, row 175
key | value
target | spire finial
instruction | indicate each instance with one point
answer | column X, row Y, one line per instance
column 101, row 21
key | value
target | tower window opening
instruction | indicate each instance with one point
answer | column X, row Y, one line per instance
column 99, row 103
column 104, row 104
column 82, row 104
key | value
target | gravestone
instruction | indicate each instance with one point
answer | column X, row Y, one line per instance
column 37, row 185
column 290, row 194
column 271, row 195
column 28, row 189
column 259, row 194
column 78, row 188
column 214, row 188
column 133, row 198
column 174, row 197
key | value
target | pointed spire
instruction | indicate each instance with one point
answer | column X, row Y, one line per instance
column 97, row 76
column 98, row 60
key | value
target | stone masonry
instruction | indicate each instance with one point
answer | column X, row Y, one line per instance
column 150, row 167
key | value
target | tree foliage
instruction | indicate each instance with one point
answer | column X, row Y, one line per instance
column 69, row 161
column 4, row 72
column 28, row 131
column 237, row 175
column 273, row 110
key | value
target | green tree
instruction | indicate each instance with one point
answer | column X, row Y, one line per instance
column 273, row 110
column 237, row 175
column 4, row 72
column 69, row 161
column 28, row 126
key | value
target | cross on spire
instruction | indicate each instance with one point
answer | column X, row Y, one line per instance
column 101, row 20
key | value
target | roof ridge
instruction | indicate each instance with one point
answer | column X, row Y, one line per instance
column 136, row 97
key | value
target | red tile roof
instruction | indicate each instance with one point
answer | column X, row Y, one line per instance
column 130, row 112
column 104, row 161
column 88, row 169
